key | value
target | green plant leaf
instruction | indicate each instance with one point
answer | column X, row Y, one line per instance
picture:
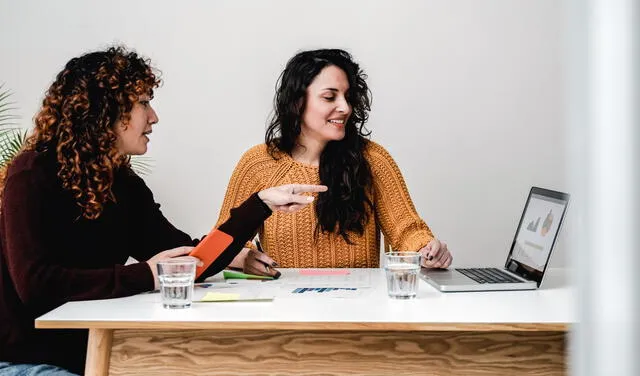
column 11, row 142
column 11, row 137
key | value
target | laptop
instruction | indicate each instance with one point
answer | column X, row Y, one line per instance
column 528, row 257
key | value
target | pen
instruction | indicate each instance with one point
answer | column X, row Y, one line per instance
column 267, row 266
column 259, row 246
column 262, row 251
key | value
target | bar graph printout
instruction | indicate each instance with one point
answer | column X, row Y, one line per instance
column 326, row 285
column 328, row 292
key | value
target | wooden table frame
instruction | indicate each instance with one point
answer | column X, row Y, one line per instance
column 474, row 334
column 322, row 348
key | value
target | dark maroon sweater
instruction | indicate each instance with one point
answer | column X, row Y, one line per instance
column 50, row 254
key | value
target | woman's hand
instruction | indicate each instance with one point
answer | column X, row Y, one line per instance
column 258, row 263
column 436, row 255
column 179, row 252
column 288, row 198
column 254, row 262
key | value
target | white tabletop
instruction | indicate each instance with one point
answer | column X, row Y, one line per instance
column 551, row 304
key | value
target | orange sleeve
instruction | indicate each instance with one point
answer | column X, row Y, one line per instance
column 401, row 225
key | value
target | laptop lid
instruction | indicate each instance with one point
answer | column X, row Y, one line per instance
column 537, row 233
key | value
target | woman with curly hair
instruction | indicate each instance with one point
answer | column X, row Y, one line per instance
column 317, row 136
column 72, row 210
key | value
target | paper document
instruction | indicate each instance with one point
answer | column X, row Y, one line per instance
column 327, row 292
column 349, row 280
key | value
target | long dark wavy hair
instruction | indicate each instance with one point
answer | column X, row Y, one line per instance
column 346, row 206
column 77, row 119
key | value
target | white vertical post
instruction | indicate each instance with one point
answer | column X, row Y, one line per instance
column 604, row 73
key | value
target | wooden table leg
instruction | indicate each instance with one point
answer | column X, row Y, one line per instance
column 98, row 352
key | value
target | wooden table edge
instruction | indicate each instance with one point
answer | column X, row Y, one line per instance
column 323, row 326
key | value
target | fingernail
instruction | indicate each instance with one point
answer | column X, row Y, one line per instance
column 278, row 274
column 309, row 198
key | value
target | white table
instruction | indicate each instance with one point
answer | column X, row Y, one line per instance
column 492, row 333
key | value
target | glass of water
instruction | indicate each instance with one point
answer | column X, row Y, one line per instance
column 176, row 282
column 402, row 274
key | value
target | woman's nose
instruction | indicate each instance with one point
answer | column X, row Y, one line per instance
column 153, row 117
column 343, row 106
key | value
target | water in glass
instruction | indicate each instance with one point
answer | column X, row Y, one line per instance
column 402, row 280
column 176, row 290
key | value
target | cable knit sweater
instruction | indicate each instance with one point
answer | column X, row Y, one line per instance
column 289, row 238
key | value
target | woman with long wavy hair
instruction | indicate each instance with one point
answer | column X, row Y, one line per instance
column 318, row 136
column 72, row 210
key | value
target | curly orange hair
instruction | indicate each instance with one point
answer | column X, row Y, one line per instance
column 77, row 121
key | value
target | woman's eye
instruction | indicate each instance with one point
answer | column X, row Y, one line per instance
column 329, row 99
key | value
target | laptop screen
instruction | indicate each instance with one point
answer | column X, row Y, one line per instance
column 537, row 233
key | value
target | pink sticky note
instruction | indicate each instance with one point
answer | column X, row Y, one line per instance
column 324, row 272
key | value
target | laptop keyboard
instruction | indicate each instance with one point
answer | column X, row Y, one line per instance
column 488, row 275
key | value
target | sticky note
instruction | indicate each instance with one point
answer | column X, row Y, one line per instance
column 219, row 297
column 235, row 297
column 231, row 274
column 324, row 272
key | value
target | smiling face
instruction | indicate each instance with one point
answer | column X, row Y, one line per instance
column 326, row 111
column 133, row 136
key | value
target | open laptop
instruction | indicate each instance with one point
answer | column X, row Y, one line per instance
column 529, row 255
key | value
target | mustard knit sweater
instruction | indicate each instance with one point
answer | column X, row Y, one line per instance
column 289, row 238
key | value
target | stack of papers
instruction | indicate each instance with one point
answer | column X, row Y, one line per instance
column 304, row 283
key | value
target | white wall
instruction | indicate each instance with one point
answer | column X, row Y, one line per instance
column 468, row 95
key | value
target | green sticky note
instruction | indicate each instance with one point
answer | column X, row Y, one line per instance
column 231, row 274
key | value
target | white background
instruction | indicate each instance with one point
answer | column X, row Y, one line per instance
column 467, row 95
